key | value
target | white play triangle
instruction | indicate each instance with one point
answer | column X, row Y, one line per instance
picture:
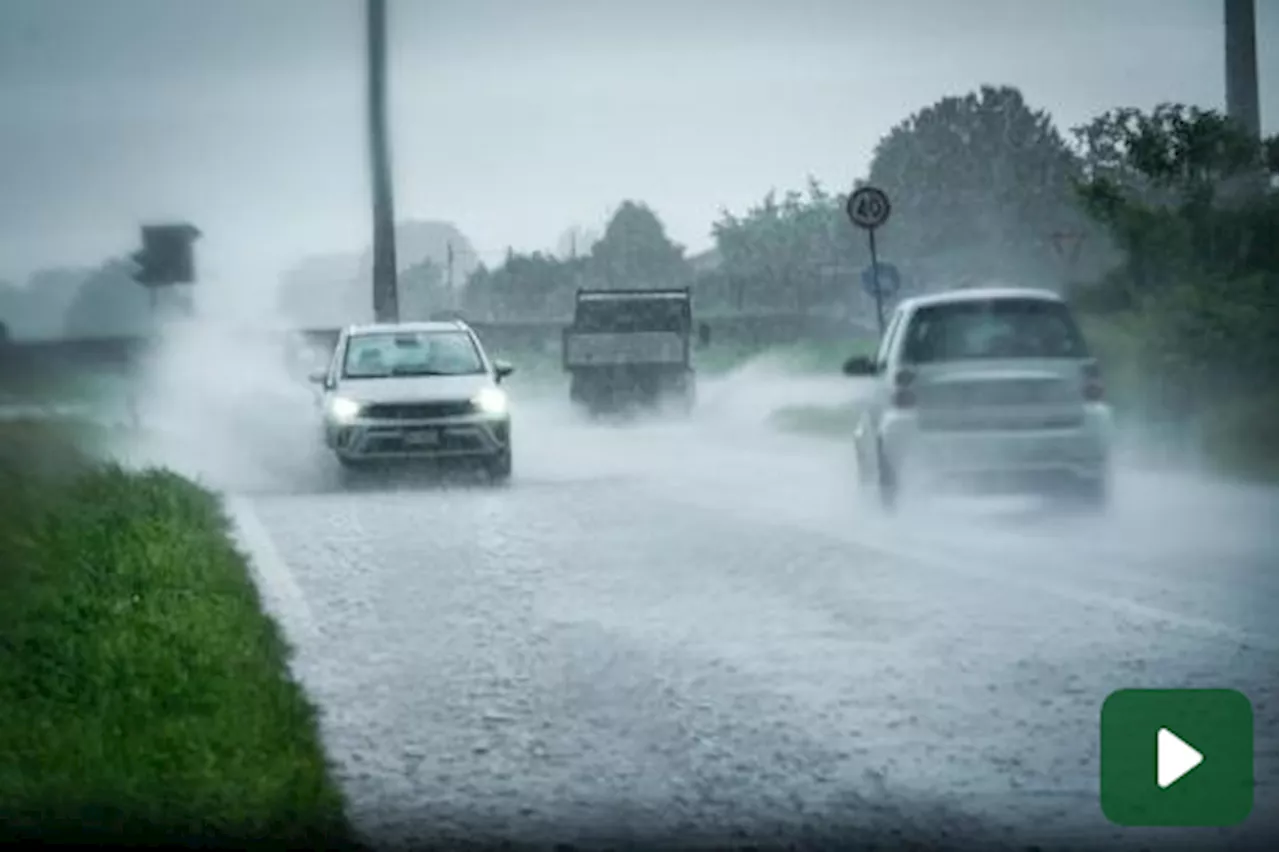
column 1174, row 758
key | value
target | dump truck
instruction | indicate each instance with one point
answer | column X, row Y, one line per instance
column 632, row 348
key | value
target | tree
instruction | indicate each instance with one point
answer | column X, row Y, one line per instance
column 576, row 242
column 337, row 289
column 1202, row 271
column 477, row 297
column 110, row 303
column 635, row 252
column 1177, row 188
column 534, row 286
column 979, row 185
column 423, row 291
column 38, row 309
column 791, row 254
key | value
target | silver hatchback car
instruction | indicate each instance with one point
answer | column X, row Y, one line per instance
column 415, row 391
column 992, row 386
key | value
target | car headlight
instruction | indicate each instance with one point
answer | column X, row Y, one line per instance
column 343, row 409
column 491, row 401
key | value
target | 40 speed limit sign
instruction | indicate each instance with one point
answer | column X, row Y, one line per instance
column 868, row 207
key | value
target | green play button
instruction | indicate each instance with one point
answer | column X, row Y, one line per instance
column 1177, row 757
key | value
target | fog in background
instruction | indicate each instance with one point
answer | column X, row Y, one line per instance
column 516, row 121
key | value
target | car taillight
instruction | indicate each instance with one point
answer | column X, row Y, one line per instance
column 1093, row 387
column 903, row 395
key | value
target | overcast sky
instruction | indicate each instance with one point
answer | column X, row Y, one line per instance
column 518, row 119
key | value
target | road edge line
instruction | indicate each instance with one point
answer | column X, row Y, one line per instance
column 280, row 590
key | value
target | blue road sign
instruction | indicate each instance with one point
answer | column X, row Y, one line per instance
column 890, row 280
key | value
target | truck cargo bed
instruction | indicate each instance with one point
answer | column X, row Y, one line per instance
column 583, row 349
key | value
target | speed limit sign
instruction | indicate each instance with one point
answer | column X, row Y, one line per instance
column 868, row 207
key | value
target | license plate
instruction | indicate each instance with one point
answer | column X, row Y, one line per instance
column 422, row 438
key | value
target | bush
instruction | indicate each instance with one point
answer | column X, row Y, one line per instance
column 146, row 696
column 1196, row 365
column 1240, row 436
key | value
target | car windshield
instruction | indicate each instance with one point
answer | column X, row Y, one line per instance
column 419, row 353
column 993, row 328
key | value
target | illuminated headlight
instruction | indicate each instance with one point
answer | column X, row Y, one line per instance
column 343, row 409
column 491, row 401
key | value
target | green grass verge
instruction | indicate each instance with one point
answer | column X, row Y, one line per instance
column 824, row 421
column 146, row 696
column 60, row 387
column 1239, row 437
column 1232, row 433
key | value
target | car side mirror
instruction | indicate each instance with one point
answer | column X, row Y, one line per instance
column 318, row 377
column 704, row 334
column 501, row 369
column 860, row 365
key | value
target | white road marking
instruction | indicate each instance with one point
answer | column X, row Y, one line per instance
column 275, row 580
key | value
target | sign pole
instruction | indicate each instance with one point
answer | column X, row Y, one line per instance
column 868, row 208
column 875, row 279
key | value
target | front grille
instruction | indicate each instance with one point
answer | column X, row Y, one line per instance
column 417, row 410
column 1010, row 392
column 449, row 443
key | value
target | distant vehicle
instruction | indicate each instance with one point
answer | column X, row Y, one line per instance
column 413, row 391
column 990, row 387
column 632, row 347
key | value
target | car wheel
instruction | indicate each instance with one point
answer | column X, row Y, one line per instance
column 1094, row 492
column 348, row 473
column 499, row 467
column 863, row 474
column 686, row 401
column 888, row 483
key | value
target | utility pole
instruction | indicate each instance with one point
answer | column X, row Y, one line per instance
column 453, row 296
column 1242, row 64
column 386, row 302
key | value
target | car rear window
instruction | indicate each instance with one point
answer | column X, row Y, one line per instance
column 993, row 328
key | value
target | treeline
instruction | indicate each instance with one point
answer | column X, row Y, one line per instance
column 1188, row 316
column 1160, row 226
column 101, row 301
column 757, row 265
column 983, row 186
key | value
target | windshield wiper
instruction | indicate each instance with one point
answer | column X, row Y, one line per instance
column 420, row 371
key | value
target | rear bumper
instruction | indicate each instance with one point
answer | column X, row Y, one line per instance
column 473, row 436
column 1006, row 456
column 630, row 384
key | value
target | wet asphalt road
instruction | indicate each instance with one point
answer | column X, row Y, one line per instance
column 695, row 631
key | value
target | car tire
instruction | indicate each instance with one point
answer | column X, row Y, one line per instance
column 499, row 467
column 887, row 482
column 687, row 401
column 348, row 473
column 861, row 469
column 1094, row 492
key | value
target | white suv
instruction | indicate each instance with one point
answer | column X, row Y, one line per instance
column 422, row 390
column 989, row 386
